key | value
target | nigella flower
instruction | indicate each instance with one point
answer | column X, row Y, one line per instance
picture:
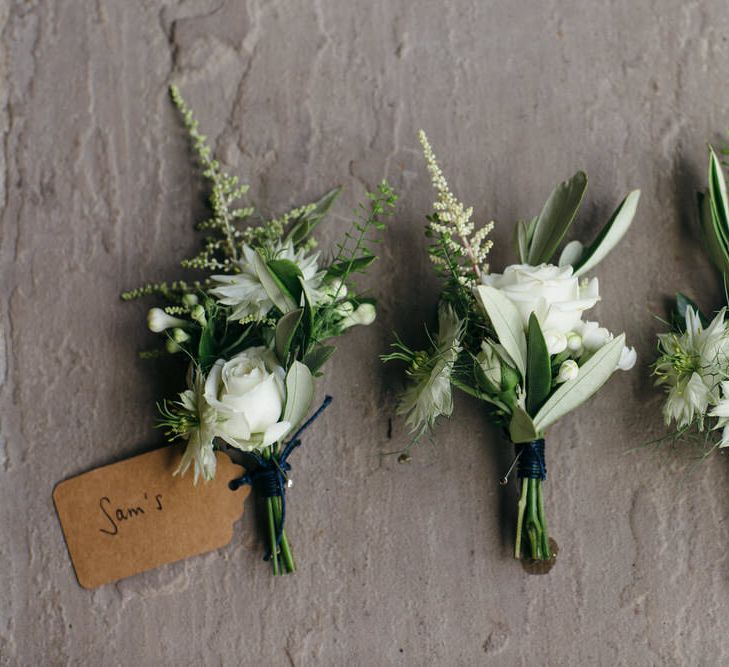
column 721, row 410
column 691, row 365
column 195, row 420
column 429, row 392
column 244, row 291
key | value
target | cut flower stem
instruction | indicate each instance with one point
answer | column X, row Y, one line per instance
column 531, row 526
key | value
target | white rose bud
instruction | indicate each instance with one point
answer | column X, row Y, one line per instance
column 158, row 320
column 556, row 342
column 568, row 371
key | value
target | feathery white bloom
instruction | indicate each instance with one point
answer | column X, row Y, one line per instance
column 721, row 411
column 429, row 394
column 244, row 292
column 692, row 366
column 200, row 431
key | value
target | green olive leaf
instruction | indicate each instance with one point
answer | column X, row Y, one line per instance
column 609, row 236
column 506, row 321
column 299, row 393
column 556, row 217
column 521, row 427
column 590, row 378
column 539, row 370
column 285, row 332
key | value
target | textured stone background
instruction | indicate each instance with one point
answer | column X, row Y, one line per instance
column 399, row 564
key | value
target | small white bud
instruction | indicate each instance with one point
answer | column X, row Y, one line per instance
column 172, row 347
column 198, row 314
column 574, row 342
column 568, row 371
column 364, row 315
column 158, row 320
column 556, row 342
column 189, row 300
column 180, row 336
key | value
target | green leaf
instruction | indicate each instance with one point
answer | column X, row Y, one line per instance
column 571, row 254
column 288, row 274
column 590, row 378
column 308, row 320
column 318, row 357
column 308, row 222
column 556, row 218
column 711, row 239
column 714, row 217
column 682, row 304
column 273, row 286
column 206, row 347
column 521, row 240
column 299, row 393
column 339, row 269
column 521, row 428
column 285, row 332
column 506, row 321
column 610, row 234
column 539, row 371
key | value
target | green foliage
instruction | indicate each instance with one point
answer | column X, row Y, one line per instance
column 556, row 218
column 539, row 371
column 714, row 215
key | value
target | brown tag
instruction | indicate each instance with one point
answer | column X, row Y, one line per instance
column 135, row 515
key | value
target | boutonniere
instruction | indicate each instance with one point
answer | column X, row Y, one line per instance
column 255, row 329
column 515, row 340
column 693, row 361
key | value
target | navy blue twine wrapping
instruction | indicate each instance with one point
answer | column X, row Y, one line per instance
column 268, row 478
column 530, row 457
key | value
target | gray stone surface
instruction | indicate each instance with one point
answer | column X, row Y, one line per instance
column 399, row 564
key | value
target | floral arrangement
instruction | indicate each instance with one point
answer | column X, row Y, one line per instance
column 515, row 340
column 693, row 361
column 255, row 331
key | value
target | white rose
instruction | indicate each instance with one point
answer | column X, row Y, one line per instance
column 552, row 293
column 248, row 392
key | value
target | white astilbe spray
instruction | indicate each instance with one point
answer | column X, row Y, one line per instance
column 452, row 219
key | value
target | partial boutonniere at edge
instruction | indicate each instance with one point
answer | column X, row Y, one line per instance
column 256, row 329
column 516, row 340
column 693, row 357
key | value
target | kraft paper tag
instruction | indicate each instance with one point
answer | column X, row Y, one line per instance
column 134, row 515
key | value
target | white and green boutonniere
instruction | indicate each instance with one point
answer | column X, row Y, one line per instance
column 515, row 340
column 693, row 361
column 255, row 331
